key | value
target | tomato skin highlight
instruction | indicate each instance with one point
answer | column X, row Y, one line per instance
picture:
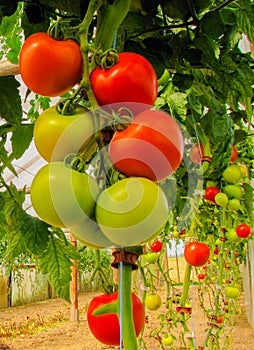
column 131, row 79
column 151, row 146
column 63, row 197
column 57, row 135
column 50, row 67
column 196, row 253
column 105, row 328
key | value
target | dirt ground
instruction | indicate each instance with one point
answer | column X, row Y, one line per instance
column 73, row 335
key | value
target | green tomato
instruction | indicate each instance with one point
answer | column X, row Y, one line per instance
column 221, row 199
column 57, row 135
column 132, row 211
column 63, row 197
column 234, row 204
column 232, row 174
column 169, row 340
column 151, row 257
column 89, row 234
column 232, row 292
column 233, row 191
column 153, row 302
column 232, row 236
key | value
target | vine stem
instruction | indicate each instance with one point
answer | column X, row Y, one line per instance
column 128, row 330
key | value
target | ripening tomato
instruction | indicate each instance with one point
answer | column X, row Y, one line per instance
column 243, row 230
column 132, row 211
column 151, row 146
column 57, row 135
column 50, row 67
column 131, row 79
column 63, row 197
column 197, row 153
column 196, row 253
column 234, row 154
column 105, row 328
column 156, row 246
column 201, row 276
column 153, row 302
column 210, row 193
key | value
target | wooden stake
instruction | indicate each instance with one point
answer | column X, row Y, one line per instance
column 74, row 312
column 8, row 68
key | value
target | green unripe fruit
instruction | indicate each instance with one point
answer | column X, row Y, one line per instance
column 233, row 191
column 234, row 204
column 221, row 199
column 232, row 174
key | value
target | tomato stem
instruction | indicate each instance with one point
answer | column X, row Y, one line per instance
column 128, row 330
column 110, row 16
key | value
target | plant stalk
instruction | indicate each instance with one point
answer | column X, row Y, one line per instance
column 125, row 307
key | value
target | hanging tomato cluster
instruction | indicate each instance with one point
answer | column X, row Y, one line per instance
column 147, row 150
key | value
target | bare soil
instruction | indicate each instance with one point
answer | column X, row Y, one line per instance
column 33, row 321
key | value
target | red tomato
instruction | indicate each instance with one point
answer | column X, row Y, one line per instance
column 201, row 276
column 156, row 246
column 50, row 67
column 210, row 193
column 131, row 79
column 197, row 153
column 105, row 328
column 243, row 230
column 151, row 146
column 234, row 154
column 196, row 253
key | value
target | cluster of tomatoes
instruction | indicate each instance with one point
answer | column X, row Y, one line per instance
column 146, row 151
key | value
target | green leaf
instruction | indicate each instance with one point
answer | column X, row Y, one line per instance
column 10, row 101
column 248, row 202
column 16, row 244
column 30, row 28
column 56, row 263
column 245, row 18
column 21, row 139
column 212, row 25
column 35, row 233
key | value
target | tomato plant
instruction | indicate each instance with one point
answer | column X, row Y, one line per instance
column 151, row 146
column 196, row 253
column 131, row 211
column 106, row 328
column 243, row 230
column 153, row 302
column 50, row 67
column 63, row 197
column 131, row 79
column 156, row 246
column 57, row 135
